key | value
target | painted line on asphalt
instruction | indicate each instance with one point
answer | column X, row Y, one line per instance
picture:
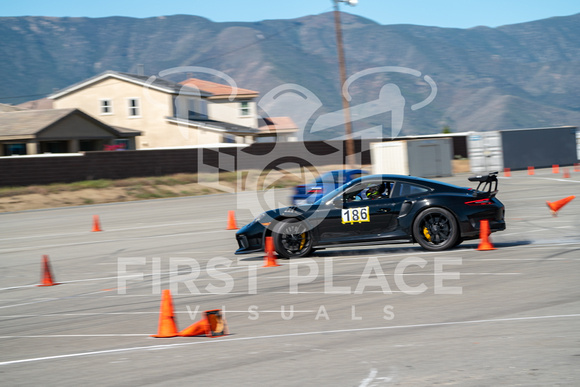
column 280, row 336
column 32, row 248
column 225, row 311
column 109, row 230
column 65, row 336
column 421, row 274
column 555, row 179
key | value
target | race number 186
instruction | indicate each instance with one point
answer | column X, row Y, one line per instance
column 355, row 215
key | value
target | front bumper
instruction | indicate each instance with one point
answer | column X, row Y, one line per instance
column 250, row 238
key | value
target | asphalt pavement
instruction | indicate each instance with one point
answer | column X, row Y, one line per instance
column 365, row 316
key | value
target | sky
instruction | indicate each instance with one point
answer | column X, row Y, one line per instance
column 440, row 13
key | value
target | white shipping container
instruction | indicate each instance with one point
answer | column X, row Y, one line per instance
column 578, row 144
column 422, row 158
column 390, row 158
column 485, row 152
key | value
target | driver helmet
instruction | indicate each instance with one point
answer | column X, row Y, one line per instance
column 375, row 191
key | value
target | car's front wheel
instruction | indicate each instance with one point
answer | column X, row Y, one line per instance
column 292, row 239
column 436, row 229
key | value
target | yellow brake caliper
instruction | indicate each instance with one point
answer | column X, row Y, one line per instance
column 426, row 233
column 303, row 240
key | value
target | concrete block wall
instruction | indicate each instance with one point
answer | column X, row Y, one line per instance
column 22, row 171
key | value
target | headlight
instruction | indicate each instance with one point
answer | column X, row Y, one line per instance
column 264, row 219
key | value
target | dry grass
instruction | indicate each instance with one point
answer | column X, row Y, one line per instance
column 141, row 188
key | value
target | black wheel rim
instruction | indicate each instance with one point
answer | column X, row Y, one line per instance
column 436, row 229
column 295, row 239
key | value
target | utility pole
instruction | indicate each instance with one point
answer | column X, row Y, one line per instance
column 350, row 160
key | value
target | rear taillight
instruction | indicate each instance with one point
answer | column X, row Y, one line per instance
column 315, row 191
column 480, row 202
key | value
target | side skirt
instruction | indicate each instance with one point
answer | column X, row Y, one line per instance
column 383, row 242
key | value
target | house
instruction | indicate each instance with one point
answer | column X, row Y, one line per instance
column 4, row 108
column 282, row 128
column 29, row 132
column 169, row 114
column 40, row 104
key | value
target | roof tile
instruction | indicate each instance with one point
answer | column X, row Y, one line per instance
column 217, row 89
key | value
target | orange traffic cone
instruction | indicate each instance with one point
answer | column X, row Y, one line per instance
column 531, row 171
column 485, row 243
column 212, row 324
column 197, row 329
column 555, row 206
column 47, row 279
column 96, row 224
column 269, row 258
column 576, row 167
column 232, row 221
column 566, row 173
column 555, row 168
column 507, row 172
column 167, row 324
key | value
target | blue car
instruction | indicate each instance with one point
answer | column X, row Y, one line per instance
column 323, row 184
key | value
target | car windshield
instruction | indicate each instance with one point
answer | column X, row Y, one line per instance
column 339, row 191
column 374, row 188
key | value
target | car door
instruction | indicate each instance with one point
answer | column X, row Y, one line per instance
column 355, row 217
column 329, row 224
column 382, row 218
column 384, row 212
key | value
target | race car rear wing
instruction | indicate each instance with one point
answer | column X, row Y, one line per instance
column 487, row 183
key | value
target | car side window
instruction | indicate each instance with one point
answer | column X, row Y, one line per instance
column 408, row 189
column 369, row 191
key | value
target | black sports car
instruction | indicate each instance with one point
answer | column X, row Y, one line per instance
column 380, row 209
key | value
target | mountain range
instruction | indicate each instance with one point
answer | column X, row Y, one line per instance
column 514, row 76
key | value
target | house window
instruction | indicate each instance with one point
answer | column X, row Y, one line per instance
column 53, row 146
column 89, row 145
column 197, row 109
column 122, row 143
column 228, row 139
column 244, row 108
column 106, row 106
column 14, row 149
column 189, row 108
column 134, row 108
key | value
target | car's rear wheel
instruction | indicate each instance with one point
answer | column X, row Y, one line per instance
column 436, row 229
column 292, row 239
